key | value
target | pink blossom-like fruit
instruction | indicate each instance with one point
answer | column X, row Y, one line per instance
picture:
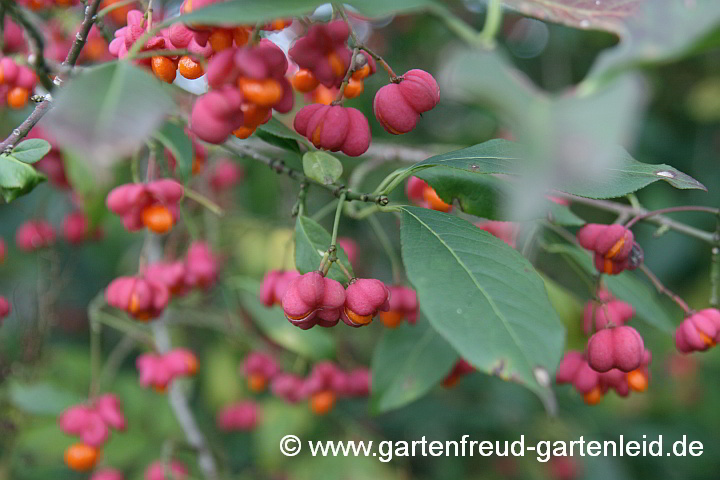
column 356, row 384
column 76, row 228
column 403, row 304
column 324, row 376
column 312, row 299
column 241, row 416
column 698, row 332
column 158, row 370
column 110, row 409
column 156, row 470
column 324, row 51
column 288, row 387
column 334, row 128
column 574, row 369
column 107, row 474
column 225, row 175
column 170, row 274
column 505, row 231
column 34, row 234
column 260, row 363
column 364, row 298
column 459, row 370
column 398, row 106
column 201, row 266
column 618, row 347
column 142, row 298
column 598, row 315
column 614, row 246
column 5, row 308
column 217, row 114
column 274, row 285
column 86, row 423
column 349, row 246
column 133, row 201
column 126, row 36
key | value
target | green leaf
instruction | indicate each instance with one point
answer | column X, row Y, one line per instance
column 626, row 286
column 486, row 196
column 108, row 111
column 322, row 167
column 311, row 243
column 407, row 362
column 41, row 398
column 650, row 31
column 93, row 188
column 484, row 298
column 173, row 137
column 276, row 133
column 17, row 178
column 254, row 11
column 625, row 175
column 31, row 151
column 315, row 344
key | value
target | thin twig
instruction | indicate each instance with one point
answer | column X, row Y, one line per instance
column 279, row 167
column 664, row 290
column 37, row 46
column 43, row 107
column 688, row 208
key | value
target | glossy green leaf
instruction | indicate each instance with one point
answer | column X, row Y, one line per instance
column 108, row 111
column 311, row 243
column 650, row 31
column 626, row 286
column 314, row 344
column 322, row 167
column 31, row 151
column 254, row 11
column 484, row 298
column 407, row 362
column 173, row 137
column 625, row 175
column 41, row 398
column 276, row 133
column 17, row 178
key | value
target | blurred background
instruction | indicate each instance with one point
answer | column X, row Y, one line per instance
column 44, row 344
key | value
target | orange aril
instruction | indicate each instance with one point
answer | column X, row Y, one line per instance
column 164, row 68
column 189, row 68
column 594, row 396
column 336, row 64
column 637, row 381
column 322, row 402
column 81, row 457
column 18, row 97
column 266, row 92
column 243, row 132
column 304, row 81
column 434, row 201
column 220, row 39
column 391, row 319
column 253, row 114
column 360, row 319
column 362, row 72
column 157, row 218
column 257, row 382
column 354, row 88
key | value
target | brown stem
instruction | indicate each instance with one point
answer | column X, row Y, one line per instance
column 351, row 68
column 664, row 290
column 688, row 208
column 43, row 107
column 37, row 45
column 280, row 167
column 393, row 77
